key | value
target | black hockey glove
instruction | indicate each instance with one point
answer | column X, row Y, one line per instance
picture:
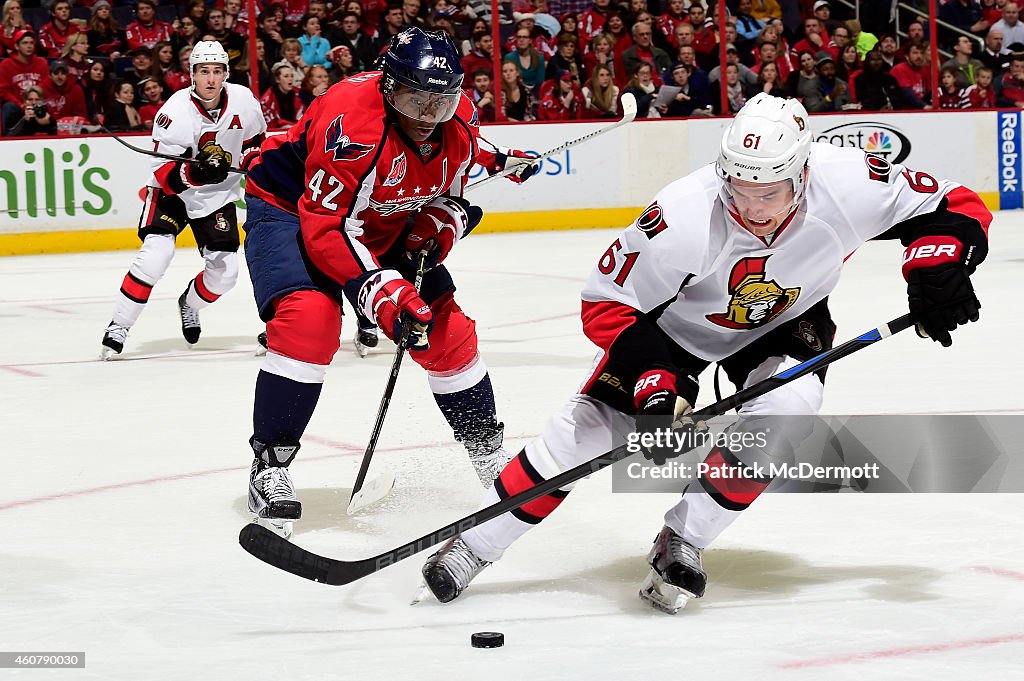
column 212, row 168
column 939, row 289
column 655, row 398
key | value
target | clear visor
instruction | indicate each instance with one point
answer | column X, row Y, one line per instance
column 426, row 107
column 761, row 200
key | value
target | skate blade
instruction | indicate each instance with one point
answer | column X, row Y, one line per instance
column 371, row 492
column 107, row 354
column 260, row 351
column 663, row 596
column 421, row 593
column 283, row 528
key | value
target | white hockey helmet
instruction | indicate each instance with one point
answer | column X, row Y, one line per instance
column 207, row 52
column 769, row 140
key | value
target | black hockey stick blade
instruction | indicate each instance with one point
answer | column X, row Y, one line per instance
column 282, row 554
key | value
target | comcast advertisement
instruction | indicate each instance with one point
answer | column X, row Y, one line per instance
column 59, row 184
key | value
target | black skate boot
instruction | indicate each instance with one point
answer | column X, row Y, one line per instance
column 365, row 339
column 113, row 340
column 272, row 496
column 448, row 572
column 190, row 328
column 676, row 573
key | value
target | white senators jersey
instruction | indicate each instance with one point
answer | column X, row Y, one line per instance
column 182, row 128
column 720, row 287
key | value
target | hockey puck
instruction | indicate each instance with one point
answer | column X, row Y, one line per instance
column 487, row 639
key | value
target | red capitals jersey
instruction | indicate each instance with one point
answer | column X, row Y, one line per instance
column 353, row 179
column 137, row 35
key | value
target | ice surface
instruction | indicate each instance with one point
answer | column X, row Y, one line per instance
column 123, row 490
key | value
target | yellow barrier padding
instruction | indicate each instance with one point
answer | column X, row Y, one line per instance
column 530, row 221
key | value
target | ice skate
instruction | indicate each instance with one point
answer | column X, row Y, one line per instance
column 262, row 344
column 488, row 456
column 272, row 497
column 448, row 572
column 113, row 340
column 189, row 320
column 365, row 339
column 676, row 573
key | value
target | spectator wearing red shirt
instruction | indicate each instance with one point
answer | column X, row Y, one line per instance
column 951, row 94
column 152, row 98
column 592, row 21
column 705, row 40
column 282, row 106
column 56, row 32
column 18, row 72
column 63, row 96
column 561, row 100
column 1012, row 82
column 482, row 55
column 674, row 15
column 815, row 39
column 982, row 94
column 768, row 52
column 914, row 78
column 147, row 30
column 180, row 78
column 13, row 21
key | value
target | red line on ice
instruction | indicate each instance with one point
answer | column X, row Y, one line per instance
column 344, row 448
column 873, row 655
column 24, row 372
column 1001, row 572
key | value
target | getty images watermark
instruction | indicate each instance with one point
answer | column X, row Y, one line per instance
column 675, row 443
column 807, row 454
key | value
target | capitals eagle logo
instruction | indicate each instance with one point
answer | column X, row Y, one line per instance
column 340, row 146
column 756, row 300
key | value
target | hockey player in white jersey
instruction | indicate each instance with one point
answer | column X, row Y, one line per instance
column 732, row 264
column 221, row 125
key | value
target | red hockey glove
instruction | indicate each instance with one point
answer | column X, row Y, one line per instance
column 939, row 286
column 435, row 229
column 389, row 301
column 523, row 162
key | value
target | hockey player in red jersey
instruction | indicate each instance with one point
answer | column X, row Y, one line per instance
column 221, row 125
column 371, row 175
column 732, row 264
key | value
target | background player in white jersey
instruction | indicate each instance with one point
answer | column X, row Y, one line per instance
column 221, row 125
column 731, row 264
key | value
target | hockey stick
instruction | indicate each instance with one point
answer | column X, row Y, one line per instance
column 157, row 154
column 279, row 552
column 628, row 116
column 379, row 487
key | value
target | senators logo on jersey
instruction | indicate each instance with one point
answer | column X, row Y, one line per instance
column 756, row 300
column 338, row 144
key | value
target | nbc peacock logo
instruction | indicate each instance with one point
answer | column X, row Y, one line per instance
column 879, row 143
column 883, row 141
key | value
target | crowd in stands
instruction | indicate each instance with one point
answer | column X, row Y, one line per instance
column 74, row 65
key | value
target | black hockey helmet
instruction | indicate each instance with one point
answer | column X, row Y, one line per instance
column 427, row 64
